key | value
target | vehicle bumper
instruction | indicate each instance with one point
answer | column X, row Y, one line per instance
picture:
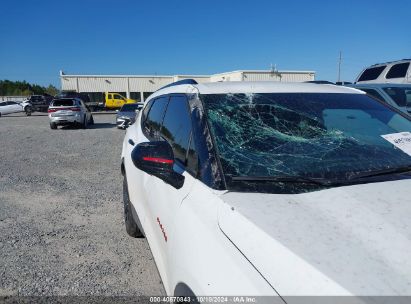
column 37, row 108
column 66, row 119
column 120, row 121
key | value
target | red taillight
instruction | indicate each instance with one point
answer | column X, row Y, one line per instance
column 158, row 160
column 51, row 110
column 75, row 109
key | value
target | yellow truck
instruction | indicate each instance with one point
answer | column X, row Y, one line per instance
column 115, row 100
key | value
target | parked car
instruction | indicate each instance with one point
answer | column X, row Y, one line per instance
column 8, row 107
column 396, row 95
column 127, row 114
column 264, row 188
column 391, row 72
column 69, row 111
column 40, row 103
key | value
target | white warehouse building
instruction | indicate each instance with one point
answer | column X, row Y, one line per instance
column 139, row 87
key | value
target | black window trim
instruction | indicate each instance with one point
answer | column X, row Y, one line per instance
column 209, row 167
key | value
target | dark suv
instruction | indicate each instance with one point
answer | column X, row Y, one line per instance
column 40, row 103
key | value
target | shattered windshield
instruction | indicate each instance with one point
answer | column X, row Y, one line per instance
column 304, row 135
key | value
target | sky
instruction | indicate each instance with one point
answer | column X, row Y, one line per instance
column 40, row 38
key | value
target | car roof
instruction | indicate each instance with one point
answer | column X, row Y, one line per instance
column 390, row 62
column 380, row 85
column 67, row 98
column 248, row 87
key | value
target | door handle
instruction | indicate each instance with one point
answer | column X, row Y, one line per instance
column 131, row 142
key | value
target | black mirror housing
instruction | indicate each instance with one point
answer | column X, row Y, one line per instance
column 157, row 158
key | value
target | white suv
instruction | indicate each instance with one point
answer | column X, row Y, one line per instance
column 390, row 72
column 262, row 188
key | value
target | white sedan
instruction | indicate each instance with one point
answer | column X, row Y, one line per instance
column 9, row 107
column 263, row 188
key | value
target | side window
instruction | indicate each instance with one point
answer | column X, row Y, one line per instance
column 155, row 117
column 110, row 96
column 371, row 73
column 145, row 111
column 398, row 70
column 119, row 97
column 2, row 104
column 398, row 95
column 373, row 93
column 177, row 127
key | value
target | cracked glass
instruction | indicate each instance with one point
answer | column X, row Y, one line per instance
column 307, row 135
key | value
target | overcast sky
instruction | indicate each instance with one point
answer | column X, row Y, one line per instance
column 38, row 38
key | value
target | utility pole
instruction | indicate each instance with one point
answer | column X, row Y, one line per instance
column 339, row 68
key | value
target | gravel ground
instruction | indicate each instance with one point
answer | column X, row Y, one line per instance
column 61, row 213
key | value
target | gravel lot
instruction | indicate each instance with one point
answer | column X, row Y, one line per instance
column 61, row 213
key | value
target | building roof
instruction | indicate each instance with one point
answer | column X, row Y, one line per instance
column 62, row 74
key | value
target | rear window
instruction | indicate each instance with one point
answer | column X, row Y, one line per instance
column 63, row 103
column 398, row 70
column 129, row 107
column 371, row 73
column 36, row 98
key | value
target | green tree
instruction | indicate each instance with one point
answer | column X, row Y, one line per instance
column 52, row 90
column 23, row 88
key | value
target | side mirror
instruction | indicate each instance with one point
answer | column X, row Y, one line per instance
column 157, row 158
column 117, row 111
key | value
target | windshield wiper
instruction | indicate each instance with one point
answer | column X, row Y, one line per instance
column 283, row 178
column 364, row 174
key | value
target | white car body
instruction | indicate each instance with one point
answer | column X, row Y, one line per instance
column 9, row 107
column 343, row 241
column 390, row 72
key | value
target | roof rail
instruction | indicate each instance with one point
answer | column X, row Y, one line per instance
column 180, row 82
column 389, row 62
column 320, row 82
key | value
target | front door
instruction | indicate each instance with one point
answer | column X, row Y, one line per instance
column 164, row 200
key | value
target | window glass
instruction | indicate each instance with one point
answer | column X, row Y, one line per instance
column 155, row 117
column 373, row 93
column 398, row 70
column 303, row 135
column 2, row 104
column 145, row 111
column 129, row 107
column 177, row 127
column 118, row 97
column 63, row 102
column 400, row 95
column 371, row 73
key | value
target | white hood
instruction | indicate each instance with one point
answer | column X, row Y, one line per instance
column 353, row 240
